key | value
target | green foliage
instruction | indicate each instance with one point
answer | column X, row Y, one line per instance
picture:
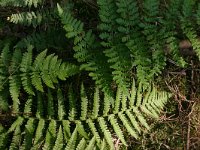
column 133, row 35
column 20, row 70
column 21, row 3
column 86, row 50
column 127, row 40
column 91, row 127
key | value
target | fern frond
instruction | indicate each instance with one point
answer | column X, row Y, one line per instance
column 16, row 139
column 94, row 130
column 29, row 131
column 21, row 3
column 91, row 144
column 59, row 140
column 25, row 67
column 133, row 121
column 116, row 128
column 127, row 125
column 16, row 124
column 141, row 118
column 132, row 94
column 3, row 137
column 38, row 139
column 66, row 129
column 50, row 135
column 81, row 144
column 61, row 108
column 96, row 104
column 86, row 50
column 4, row 65
column 72, row 141
column 118, row 99
column 28, row 106
column 107, row 14
column 106, row 132
column 84, row 103
column 26, row 18
column 107, row 102
column 14, row 89
column 14, row 80
column 81, row 130
column 72, row 107
column 40, row 106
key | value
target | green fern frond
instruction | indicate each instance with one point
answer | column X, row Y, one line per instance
column 26, row 18
column 50, row 135
column 4, row 65
column 141, row 118
column 86, row 50
column 18, row 122
column 90, row 131
column 14, row 89
column 38, row 139
column 28, row 106
column 72, row 141
column 21, row 3
column 66, row 129
column 127, row 125
column 133, row 120
column 116, row 128
column 91, row 144
column 25, row 67
column 104, row 145
column 40, row 106
column 29, row 133
column 106, row 132
column 94, row 130
column 3, row 137
column 187, row 27
column 107, row 14
column 72, row 108
column 81, row 144
column 61, row 108
column 118, row 99
column 107, row 102
column 96, row 104
column 16, row 139
column 59, row 140
column 81, row 130
column 32, row 75
column 14, row 80
column 84, row 103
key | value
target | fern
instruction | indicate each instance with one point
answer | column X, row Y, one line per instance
column 26, row 18
column 128, row 41
column 72, row 140
column 32, row 75
column 92, row 128
column 86, row 50
column 171, row 33
column 106, row 132
column 50, row 135
column 29, row 130
column 59, row 140
column 187, row 27
column 21, row 3
column 39, row 134
column 117, row 129
column 84, row 104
